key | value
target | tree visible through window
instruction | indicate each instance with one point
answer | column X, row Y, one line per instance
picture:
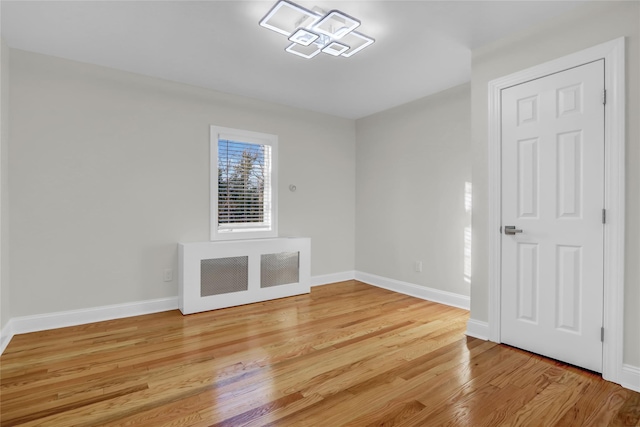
column 244, row 196
column 241, row 182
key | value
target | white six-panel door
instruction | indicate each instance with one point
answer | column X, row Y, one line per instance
column 552, row 190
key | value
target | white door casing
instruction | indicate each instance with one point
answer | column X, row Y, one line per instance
column 553, row 194
column 614, row 194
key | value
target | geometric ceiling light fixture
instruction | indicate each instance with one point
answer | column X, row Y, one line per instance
column 285, row 17
column 336, row 24
column 306, row 52
column 335, row 48
column 356, row 41
column 313, row 32
column 303, row 37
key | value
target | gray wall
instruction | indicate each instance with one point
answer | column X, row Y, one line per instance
column 5, row 313
column 582, row 28
column 109, row 170
column 412, row 165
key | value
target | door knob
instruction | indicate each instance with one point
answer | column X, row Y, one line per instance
column 511, row 230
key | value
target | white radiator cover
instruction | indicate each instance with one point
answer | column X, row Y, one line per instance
column 228, row 273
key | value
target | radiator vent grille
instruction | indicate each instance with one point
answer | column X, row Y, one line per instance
column 279, row 269
column 230, row 273
column 224, row 275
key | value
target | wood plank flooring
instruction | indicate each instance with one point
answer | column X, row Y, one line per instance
column 348, row 354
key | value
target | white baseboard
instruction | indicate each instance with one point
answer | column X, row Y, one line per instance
column 630, row 377
column 423, row 292
column 41, row 322
column 325, row 279
column 478, row 329
column 61, row 319
column 5, row 335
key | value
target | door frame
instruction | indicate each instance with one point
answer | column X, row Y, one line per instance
column 614, row 187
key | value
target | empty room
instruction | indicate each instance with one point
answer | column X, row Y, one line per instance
column 329, row 213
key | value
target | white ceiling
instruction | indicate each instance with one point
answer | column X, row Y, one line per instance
column 422, row 47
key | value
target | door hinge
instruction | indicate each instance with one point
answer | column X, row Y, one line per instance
column 602, row 334
column 604, row 216
column 604, row 97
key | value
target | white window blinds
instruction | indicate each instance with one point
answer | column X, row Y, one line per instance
column 244, row 200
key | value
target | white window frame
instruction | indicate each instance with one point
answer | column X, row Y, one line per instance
column 239, row 231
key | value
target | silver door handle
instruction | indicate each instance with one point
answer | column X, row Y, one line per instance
column 511, row 230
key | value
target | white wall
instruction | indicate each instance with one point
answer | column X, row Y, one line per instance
column 582, row 28
column 412, row 165
column 4, row 185
column 109, row 170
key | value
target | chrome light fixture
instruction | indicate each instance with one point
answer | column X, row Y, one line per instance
column 312, row 32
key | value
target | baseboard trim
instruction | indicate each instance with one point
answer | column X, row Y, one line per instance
column 629, row 374
column 478, row 329
column 630, row 377
column 326, row 279
column 42, row 322
column 6, row 335
column 422, row 292
column 62, row 319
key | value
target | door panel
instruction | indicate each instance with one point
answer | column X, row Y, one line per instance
column 568, row 287
column 528, row 178
column 569, row 174
column 527, row 282
column 553, row 190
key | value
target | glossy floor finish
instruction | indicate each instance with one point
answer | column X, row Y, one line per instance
column 347, row 354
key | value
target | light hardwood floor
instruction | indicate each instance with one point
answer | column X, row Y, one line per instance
column 347, row 354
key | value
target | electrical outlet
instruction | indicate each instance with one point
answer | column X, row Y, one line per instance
column 168, row 275
column 418, row 266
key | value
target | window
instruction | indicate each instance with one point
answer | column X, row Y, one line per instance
column 243, row 184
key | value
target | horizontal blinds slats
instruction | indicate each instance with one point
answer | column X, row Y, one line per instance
column 244, row 188
column 240, row 139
